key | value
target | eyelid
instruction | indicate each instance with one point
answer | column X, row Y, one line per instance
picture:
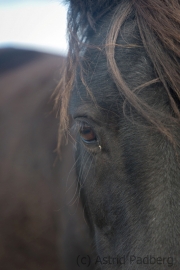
column 87, row 115
column 80, row 124
column 77, row 125
column 80, row 121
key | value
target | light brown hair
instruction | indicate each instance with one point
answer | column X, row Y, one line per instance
column 159, row 27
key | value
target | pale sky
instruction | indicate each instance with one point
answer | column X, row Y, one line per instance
column 39, row 24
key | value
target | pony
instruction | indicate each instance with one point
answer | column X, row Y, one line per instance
column 121, row 86
column 40, row 227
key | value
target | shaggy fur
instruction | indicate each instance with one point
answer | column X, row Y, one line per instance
column 122, row 80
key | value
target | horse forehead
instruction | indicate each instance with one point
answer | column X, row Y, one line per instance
column 132, row 62
column 97, row 82
column 99, row 89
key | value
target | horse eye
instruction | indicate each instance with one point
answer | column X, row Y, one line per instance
column 87, row 134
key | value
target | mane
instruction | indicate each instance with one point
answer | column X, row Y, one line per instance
column 158, row 23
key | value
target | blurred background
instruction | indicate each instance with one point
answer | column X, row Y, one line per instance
column 37, row 230
column 42, row 224
column 33, row 24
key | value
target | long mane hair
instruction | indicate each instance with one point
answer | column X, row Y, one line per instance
column 158, row 23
